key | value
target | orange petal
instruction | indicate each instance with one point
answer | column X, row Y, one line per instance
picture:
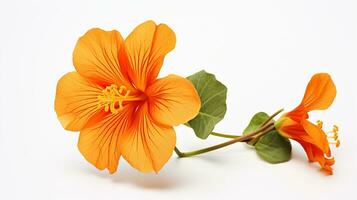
column 293, row 130
column 147, row 146
column 97, row 56
column 318, row 136
column 305, row 131
column 99, row 144
column 173, row 100
column 146, row 48
column 320, row 92
column 76, row 101
column 315, row 154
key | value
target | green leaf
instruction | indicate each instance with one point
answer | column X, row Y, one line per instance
column 213, row 96
column 256, row 121
column 273, row 148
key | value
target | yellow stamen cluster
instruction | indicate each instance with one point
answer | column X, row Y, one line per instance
column 112, row 98
column 332, row 136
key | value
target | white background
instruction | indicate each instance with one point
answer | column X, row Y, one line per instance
column 264, row 51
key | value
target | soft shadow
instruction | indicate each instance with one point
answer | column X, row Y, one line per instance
column 212, row 158
column 220, row 158
column 167, row 178
column 301, row 157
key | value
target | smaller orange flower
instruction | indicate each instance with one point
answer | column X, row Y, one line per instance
column 319, row 95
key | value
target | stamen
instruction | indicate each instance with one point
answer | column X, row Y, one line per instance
column 319, row 123
column 112, row 98
column 332, row 136
column 335, row 128
column 336, row 143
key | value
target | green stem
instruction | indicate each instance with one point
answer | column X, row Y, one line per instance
column 224, row 135
column 178, row 152
column 264, row 129
column 256, row 138
column 237, row 136
column 267, row 126
column 272, row 117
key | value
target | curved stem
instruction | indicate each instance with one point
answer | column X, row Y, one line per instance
column 178, row 152
column 224, row 135
column 264, row 129
column 267, row 126
column 272, row 116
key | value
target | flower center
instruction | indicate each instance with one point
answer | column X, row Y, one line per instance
column 113, row 97
column 332, row 136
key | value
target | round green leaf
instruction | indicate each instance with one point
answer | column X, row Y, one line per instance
column 213, row 96
column 273, row 148
column 257, row 120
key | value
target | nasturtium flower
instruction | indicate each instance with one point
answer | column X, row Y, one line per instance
column 319, row 95
column 118, row 104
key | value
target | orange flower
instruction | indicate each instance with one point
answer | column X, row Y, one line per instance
column 116, row 101
column 319, row 95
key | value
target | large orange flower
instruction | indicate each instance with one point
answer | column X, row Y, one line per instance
column 116, row 101
column 319, row 95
